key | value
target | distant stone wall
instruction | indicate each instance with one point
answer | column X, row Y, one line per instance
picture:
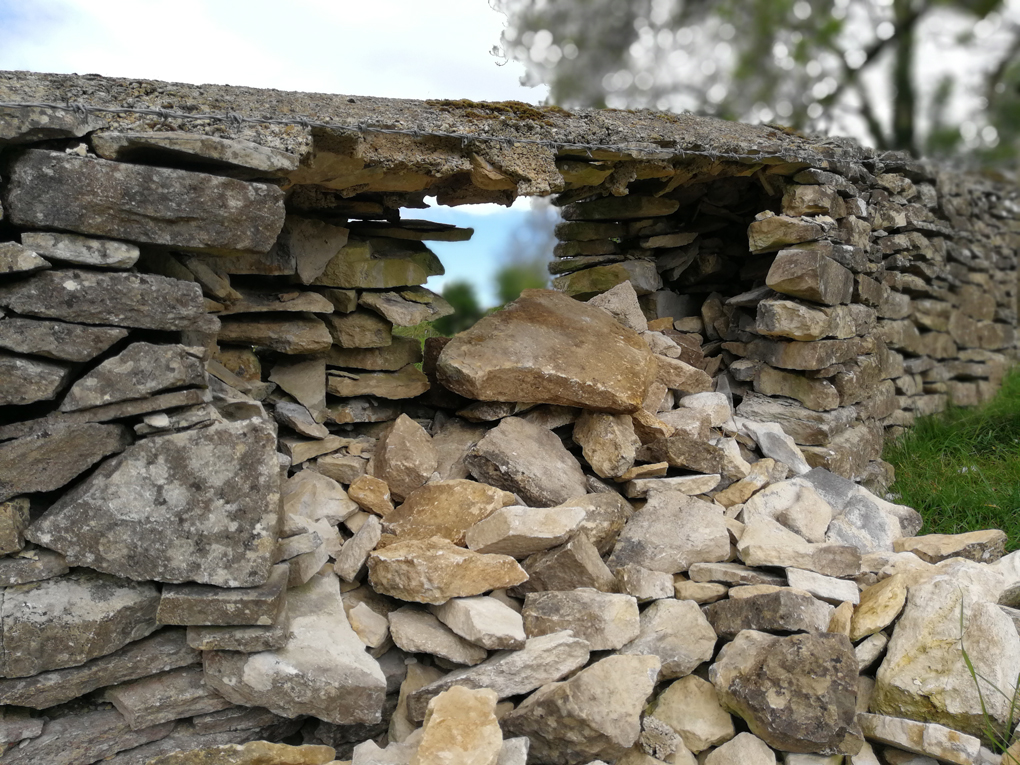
column 224, row 477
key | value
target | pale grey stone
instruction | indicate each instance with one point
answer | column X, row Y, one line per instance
column 167, row 696
column 826, row 588
column 622, row 302
column 31, row 566
column 56, row 339
column 691, row 707
column 350, row 563
column 607, row 621
column 678, row 633
column 732, row 574
column 245, row 639
column 204, row 605
column 522, row 531
column 567, row 567
column 15, row 259
column 81, row 250
column 28, row 380
column 484, row 621
column 775, row 443
column 417, row 631
column 744, row 749
column 929, row 739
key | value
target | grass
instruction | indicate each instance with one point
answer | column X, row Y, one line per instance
column 961, row 469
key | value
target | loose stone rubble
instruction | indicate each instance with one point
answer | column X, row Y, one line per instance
column 638, row 519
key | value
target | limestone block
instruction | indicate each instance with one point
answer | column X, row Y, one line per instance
column 446, row 509
column 928, row 739
column 460, row 726
column 166, row 696
column 404, row 457
column 56, row 339
column 691, row 707
column 522, row 531
column 81, row 250
column 606, row 621
column 28, row 380
column 567, row 567
column 810, row 275
column 201, row 604
column 484, row 621
column 417, row 631
column 607, row 441
column 678, row 633
column 782, row 611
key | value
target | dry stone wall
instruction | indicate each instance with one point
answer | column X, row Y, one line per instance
column 635, row 519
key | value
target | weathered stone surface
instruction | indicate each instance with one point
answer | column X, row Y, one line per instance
column 678, row 633
column 820, row 395
column 434, row 570
column 778, row 231
column 812, row 276
column 123, row 299
column 682, row 450
column 66, row 621
column 56, row 339
column 404, row 457
column 527, row 460
column 154, row 205
column 81, row 250
column 31, row 566
column 522, row 531
column 244, row 639
column 14, row 519
column 691, row 707
column 928, row 739
column 817, row 354
column 304, row 379
column 620, row 208
column 55, row 456
column 251, row 753
column 622, row 303
column 15, row 259
column 166, row 696
column 322, row 671
column 797, row 321
column 542, row 660
column 136, row 372
column 484, row 621
column 380, row 264
column 28, row 380
column 372, row 494
column 286, row 334
column 981, row 546
column 797, row 693
column 359, row 329
column 606, row 621
column 803, row 425
column 402, row 312
column 417, row 631
column 641, row 274
column 546, row 348
column 732, row 574
column 671, row 533
column 793, row 503
column 605, row 516
column 744, row 749
column 924, row 676
column 201, row 604
column 407, row 382
column 398, row 354
column 879, row 606
column 200, row 484
column 460, row 727
column 607, row 441
column 596, row 713
column 318, row 497
column 350, row 562
column 300, row 450
column 681, row 376
column 782, row 611
column 827, row 588
column 690, row 485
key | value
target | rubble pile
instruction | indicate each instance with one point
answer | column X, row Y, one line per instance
column 637, row 519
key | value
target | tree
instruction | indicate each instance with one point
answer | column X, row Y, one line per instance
column 466, row 310
column 928, row 76
column 527, row 254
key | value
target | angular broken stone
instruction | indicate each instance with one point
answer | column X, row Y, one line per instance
column 815, row 710
column 811, row 275
column 446, row 509
column 380, row 263
column 201, row 604
column 154, row 205
column 826, row 588
column 244, row 639
column 166, row 696
column 81, row 250
column 981, row 546
column 359, row 330
column 732, row 574
column 778, row 231
column 350, row 563
column 678, row 633
column 879, row 606
column 372, row 494
column 67, row 621
column 929, row 739
column 28, row 380
column 234, row 153
column 691, row 707
column 291, row 335
column 318, row 497
column 461, row 726
column 622, row 302
column 644, row 584
column 744, row 749
column 404, row 457
column 547, row 348
column 138, row 371
column 250, row 753
column 484, row 621
column 607, row 441
column 57, row 339
column 14, row 519
column 681, row 376
column 782, row 611
column 304, row 379
column 407, row 382
column 417, row 631
column 522, row 531
column 323, row 670
column 620, row 208
column 587, row 282
column 776, row 444
column 795, row 505
column 434, row 570
column 567, row 567
column 199, row 483
column 399, row 353
column 606, row 621
column 33, row 566
column 527, row 460
column 15, row 259
column 402, row 312
column 596, row 713
column 122, row 299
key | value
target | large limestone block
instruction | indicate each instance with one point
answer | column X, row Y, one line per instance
column 460, row 727
column 198, row 506
column 691, row 707
column 595, row 714
column 542, row 660
column 678, row 633
column 798, row 693
column 323, row 670
column 434, row 570
column 123, row 299
column 529, row 461
column 547, row 348
column 404, row 457
column 56, row 339
column 446, row 509
column 607, row 621
column 810, row 275
column 66, row 621
column 924, row 675
column 177, row 208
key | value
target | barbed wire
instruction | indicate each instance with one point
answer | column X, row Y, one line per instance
column 236, row 120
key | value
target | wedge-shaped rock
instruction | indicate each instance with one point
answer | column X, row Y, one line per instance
column 810, row 275
column 177, row 208
column 803, row 425
column 567, row 567
column 14, row 519
column 583, row 284
column 28, row 380
column 778, row 231
column 350, row 562
column 826, row 588
column 39, row 564
column 316, row 496
column 522, row 531
column 820, row 395
column 547, row 348
column 981, row 546
column 380, row 263
column 66, row 621
column 435, row 570
column 124, row 299
column 797, row 693
column 744, row 749
column 622, row 303
column 774, row 443
column 682, row 450
column 82, row 250
column 484, row 621
column 138, row 371
column 671, row 533
column 678, row 633
column 417, row 631
column 196, row 506
column 782, row 611
column 924, row 675
column 797, row 321
column 57, row 339
column 594, row 714
column 607, row 621
column 167, row 696
column 732, row 574
column 446, row 509
column 461, row 726
column 542, row 660
column 607, row 441
column 323, row 670
column 201, row 604
column 928, row 739
column 402, row 312
column 691, row 707
column 404, row 457
column 529, row 461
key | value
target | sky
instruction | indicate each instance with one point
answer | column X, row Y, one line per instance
column 388, row 48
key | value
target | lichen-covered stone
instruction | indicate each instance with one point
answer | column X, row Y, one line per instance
column 28, row 380
column 56, row 339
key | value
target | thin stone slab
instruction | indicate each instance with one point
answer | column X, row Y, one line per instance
column 249, row 753
column 323, row 670
column 194, row 148
column 826, row 588
column 67, row 621
column 164, row 697
column 123, row 299
column 15, row 259
column 399, row 353
column 56, row 339
column 402, row 312
column 291, row 335
column 199, row 483
column 162, row 651
column 265, row 301
column 782, row 611
column 31, row 566
column 732, row 574
column 153, row 205
column 28, row 380
column 82, row 250
column 521, row 531
column 204, row 605
column 928, row 739
column 407, row 382
column 982, row 546
column 417, row 631
column 244, row 639
column 380, row 263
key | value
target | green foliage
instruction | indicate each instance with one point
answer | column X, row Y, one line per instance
column 961, row 469
column 461, row 296
column 515, row 277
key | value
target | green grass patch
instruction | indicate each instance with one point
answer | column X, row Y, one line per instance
column 961, row 469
